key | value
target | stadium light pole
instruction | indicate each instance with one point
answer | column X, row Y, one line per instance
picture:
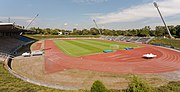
column 32, row 21
column 156, row 5
column 9, row 20
column 97, row 26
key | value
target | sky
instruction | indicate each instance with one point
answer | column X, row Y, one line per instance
column 110, row 14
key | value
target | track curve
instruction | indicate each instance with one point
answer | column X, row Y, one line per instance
column 121, row 61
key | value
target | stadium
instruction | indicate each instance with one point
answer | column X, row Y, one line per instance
column 91, row 59
column 75, row 63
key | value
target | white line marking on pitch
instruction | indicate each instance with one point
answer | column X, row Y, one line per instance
column 66, row 50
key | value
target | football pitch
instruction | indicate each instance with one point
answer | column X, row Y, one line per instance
column 85, row 47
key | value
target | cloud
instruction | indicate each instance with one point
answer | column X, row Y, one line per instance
column 139, row 12
column 90, row 1
column 92, row 14
column 16, row 17
column 28, row 21
column 65, row 24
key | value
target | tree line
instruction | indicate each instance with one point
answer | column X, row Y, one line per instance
column 159, row 31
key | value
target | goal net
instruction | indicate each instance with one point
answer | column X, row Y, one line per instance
column 114, row 47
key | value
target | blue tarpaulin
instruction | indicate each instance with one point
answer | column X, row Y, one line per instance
column 106, row 51
column 129, row 48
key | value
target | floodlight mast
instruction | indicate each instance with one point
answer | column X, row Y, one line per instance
column 32, row 21
column 156, row 5
column 9, row 20
column 97, row 26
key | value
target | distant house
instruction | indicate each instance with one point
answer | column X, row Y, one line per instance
column 60, row 33
column 66, row 33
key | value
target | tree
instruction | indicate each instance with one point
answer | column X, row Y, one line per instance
column 94, row 31
column 137, row 85
column 177, row 30
column 129, row 33
column 144, row 32
column 160, row 31
column 33, row 29
column 54, row 32
column 134, row 32
column 107, row 32
column 98, row 86
column 172, row 30
column 152, row 33
column 85, row 32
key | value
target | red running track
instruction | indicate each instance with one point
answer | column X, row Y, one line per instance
column 37, row 47
column 122, row 61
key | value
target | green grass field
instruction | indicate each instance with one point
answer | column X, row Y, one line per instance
column 84, row 47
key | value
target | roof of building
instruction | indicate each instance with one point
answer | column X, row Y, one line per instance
column 10, row 27
column 6, row 24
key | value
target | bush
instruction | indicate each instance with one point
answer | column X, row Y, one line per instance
column 174, row 86
column 137, row 85
column 170, row 42
column 40, row 37
column 170, row 87
column 98, row 86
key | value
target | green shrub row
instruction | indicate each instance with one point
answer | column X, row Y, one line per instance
column 170, row 42
column 138, row 85
column 39, row 37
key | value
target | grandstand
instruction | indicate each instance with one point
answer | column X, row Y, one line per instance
column 11, row 40
column 143, row 40
column 134, row 39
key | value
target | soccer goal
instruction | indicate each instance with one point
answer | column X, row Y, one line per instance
column 114, row 47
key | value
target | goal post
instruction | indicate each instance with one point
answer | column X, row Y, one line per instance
column 114, row 47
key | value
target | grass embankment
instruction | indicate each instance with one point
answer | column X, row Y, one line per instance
column 40, row 37
column 170, row 42
column 84, row 47
column 8, row 83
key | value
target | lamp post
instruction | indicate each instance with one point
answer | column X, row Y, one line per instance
column 9, row 20
column 32, row 21
column 156, row 5
column 97, row 26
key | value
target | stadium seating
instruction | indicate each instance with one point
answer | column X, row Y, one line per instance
column 25, row 39
column 9, row 45
column 119, row 38
column 11, row 39
column 134, row 39
column 127, row 39
column 144, row 40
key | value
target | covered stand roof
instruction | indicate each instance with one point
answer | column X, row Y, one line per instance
column 10, row 27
